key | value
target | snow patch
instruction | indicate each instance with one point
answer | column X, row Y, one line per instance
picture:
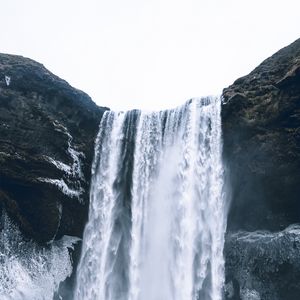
column 76, row 167
column 72, row 172
column 7, row 80
column 63, row 187
column 75, row 155
column 59, row 165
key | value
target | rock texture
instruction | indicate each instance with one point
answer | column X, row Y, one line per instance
column 263, row 265
column 47, row 132
column 261, row 130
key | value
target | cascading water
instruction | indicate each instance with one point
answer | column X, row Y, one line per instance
column 157, row 215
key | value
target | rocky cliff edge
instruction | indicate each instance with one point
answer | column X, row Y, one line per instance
column 47, row 132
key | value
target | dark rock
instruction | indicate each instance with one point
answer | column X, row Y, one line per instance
column 261, row 132
column 47, row 131
column 264, row 265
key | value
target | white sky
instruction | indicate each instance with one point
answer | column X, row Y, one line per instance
column 148, row 54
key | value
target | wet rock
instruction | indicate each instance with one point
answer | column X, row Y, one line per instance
column 261, row 132
column 265, row 264
column 47, row 132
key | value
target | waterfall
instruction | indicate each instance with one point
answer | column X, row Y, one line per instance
column 157, row 214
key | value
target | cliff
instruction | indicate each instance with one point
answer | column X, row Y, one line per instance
column 47, row 132
column 261, row 130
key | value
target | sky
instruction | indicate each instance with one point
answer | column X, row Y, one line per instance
column 152, row 54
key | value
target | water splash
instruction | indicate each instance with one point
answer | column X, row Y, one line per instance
column 30, row 271
column 157, row 215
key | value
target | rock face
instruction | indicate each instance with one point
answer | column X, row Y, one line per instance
column 263, row 265
column 261, row 131
column 47, row 132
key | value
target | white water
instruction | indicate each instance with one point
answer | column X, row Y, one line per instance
column 29, row 271
column 157, row 214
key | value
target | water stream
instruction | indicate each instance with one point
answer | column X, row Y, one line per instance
column 157, row 213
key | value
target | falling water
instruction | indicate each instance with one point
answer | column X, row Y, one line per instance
column 157, row 217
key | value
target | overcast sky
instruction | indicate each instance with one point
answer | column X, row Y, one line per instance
column 148, row 54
